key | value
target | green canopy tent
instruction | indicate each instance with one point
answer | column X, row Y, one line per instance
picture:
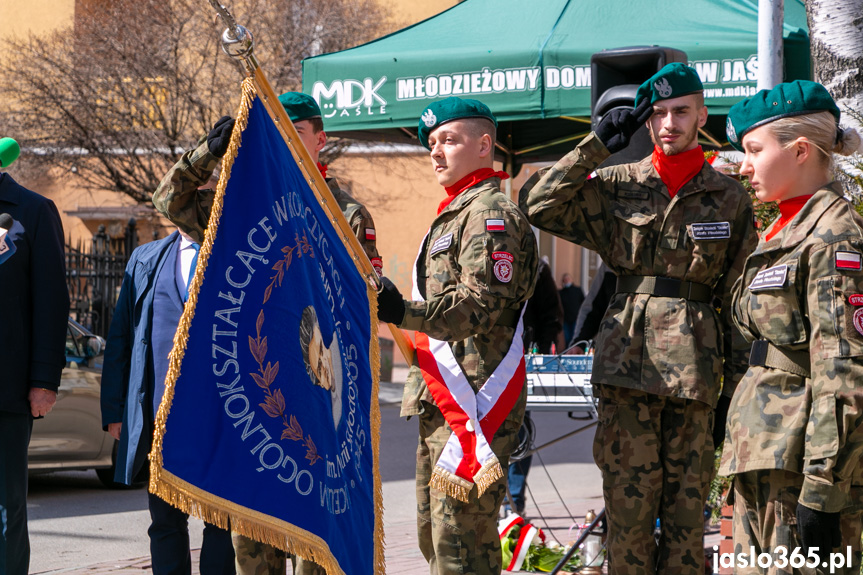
column 530, row 63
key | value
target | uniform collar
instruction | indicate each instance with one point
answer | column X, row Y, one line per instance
column 469, row 194
column 800, row 228
column 706, row 180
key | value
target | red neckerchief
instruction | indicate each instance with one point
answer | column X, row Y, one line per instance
column 787, row 210
column 678, row 169
column 469, row 181
column 323, row 169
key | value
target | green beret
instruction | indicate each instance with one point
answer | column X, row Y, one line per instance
column 671, row 81
column 300, row 106
column 450, row 109
column 784, row 100
column 9, row 152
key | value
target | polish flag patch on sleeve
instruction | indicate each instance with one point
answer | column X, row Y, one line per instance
column 370, row 235
column 849, row 261
column 495, row 226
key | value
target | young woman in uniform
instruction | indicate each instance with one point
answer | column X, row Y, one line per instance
column 794, row 437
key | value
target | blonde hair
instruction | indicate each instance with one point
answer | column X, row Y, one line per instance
column 820, row 130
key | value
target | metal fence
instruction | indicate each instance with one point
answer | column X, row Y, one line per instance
column 94, row 274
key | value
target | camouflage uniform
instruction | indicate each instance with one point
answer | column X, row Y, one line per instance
column 799, row 409
column 765, row 505
column 178, row 199
column 657, row 356
column 468, row 306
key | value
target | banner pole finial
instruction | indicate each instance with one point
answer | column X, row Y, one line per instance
column 237, row 41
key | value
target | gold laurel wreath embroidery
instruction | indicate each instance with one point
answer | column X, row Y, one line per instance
column 274, row 405
column 302, row 246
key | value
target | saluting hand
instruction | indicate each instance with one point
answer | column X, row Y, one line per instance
column 617, row 127
column 391, row 304
column 220, row 136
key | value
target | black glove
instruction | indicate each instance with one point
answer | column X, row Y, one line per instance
column 220, row 136
column 818, row 529
column 617, row 127
column 719, row 417
column 391, row 304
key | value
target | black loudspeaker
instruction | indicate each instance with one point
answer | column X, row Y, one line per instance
column 615, row 76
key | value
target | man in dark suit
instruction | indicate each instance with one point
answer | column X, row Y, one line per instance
column 148, row 311
column 593, row 309
column 34, row 308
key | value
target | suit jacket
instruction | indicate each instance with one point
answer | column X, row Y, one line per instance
column 34, row 299
column 126, row 373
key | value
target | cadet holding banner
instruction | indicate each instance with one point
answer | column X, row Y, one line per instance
column 676, row 233
column 475, row 270
column 180, row 200
column 795, row 433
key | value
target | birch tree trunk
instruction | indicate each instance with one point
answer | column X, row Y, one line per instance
column 836, row 38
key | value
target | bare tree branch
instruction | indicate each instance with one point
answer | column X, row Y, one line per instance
column 119, row 97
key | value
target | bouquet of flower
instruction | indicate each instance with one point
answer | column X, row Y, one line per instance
column 525, row 548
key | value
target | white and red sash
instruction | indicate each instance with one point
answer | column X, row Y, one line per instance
column 467, row 457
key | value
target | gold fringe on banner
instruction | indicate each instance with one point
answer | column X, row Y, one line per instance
column 451, row 484
column 375, row 357
column 219, row 511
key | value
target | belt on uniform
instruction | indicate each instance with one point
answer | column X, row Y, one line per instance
column 665, row 287
column 766, row 354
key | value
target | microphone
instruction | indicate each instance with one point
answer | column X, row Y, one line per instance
column 9, row 152
column 7, row 246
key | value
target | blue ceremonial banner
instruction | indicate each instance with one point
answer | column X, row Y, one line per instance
column 270, row 419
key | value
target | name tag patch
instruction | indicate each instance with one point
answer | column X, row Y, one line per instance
column 495, row 226
column 856, row 299
column 849, row 261
column 710, row 230
column 770, row 278
column 441, row 244
column 633, row 194
column 370, row 234
column 502, row 266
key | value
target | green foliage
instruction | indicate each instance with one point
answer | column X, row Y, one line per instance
column 718, row 487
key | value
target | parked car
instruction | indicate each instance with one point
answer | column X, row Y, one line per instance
column 71, row 436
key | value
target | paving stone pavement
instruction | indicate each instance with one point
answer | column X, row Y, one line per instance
column 403, row 556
